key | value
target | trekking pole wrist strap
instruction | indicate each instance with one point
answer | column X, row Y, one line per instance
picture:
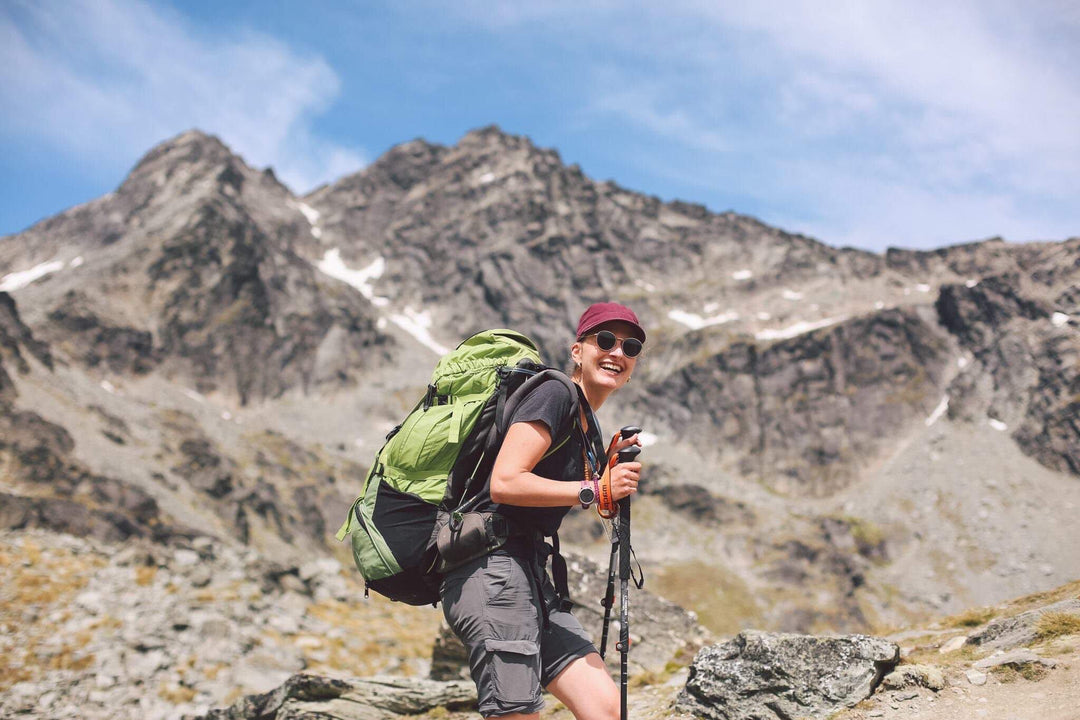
column 606, row 506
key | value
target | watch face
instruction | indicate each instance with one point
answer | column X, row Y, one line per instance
column 586, row 495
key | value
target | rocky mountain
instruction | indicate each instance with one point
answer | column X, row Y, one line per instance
column 191, row 269
column 837, row 440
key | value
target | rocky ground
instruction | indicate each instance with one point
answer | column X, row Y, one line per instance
column 92, row 630
column 1016, row 661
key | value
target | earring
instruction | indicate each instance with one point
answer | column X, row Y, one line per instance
column 628, row 378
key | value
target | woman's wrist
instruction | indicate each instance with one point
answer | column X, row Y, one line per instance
column 587, row 493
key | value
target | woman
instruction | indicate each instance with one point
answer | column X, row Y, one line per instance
column 516, row 644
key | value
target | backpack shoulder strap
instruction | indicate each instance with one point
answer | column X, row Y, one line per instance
column 511, row 403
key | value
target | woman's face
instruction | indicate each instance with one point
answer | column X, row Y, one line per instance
column 610, row 369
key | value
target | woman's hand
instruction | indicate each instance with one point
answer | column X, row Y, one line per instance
column 624, row 476
column 624, row 479
column 618, row 444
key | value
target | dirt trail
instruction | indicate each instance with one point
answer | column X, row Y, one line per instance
column 1056, row 696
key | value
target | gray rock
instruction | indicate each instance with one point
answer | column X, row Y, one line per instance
column 975, row 677
column 1013, row 658
column 1018, row 630
column 953, row 644
column 760, row 676
column 376, row 698
column 264, row 670
column 927, row 676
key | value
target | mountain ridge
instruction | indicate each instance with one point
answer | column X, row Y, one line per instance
column 246, row 350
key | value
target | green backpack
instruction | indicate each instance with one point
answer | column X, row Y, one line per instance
column 438, row 460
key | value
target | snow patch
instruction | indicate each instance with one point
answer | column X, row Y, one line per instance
column 310, row 213
column 710, row 308
column 971, row 283
column 487, row 177
column 647, row 287
column 108, row 387
column 742, row 275
column 316, row 232
column 381, row 323
column 1059, row 319
column 797, row 329
column 647, row 438
column 76, row 262
column 417, row 324
column 879, row 305
column 19, row 280
column 226, row 415
column 194, row 395
column 962, row 362
column 335, row 267
column 791, row 295
column 923, row 288
column 696, row 322
column 764, row 316
column 938, row 411
column 997, row 424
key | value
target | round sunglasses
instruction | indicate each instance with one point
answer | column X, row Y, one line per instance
column 607, row 340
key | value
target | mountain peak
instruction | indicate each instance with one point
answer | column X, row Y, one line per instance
column 191, row 146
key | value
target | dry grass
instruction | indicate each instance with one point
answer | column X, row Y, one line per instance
column 722, row 601
column 176, row 693
column 930, row 655
column 1028, row 602
column 37, row 585
column 1057, row 624
column 144, row 575
column 973, row 617
column 377, row 637
column 1033, row 672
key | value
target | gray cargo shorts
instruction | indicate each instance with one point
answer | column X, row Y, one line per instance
column 491, row 606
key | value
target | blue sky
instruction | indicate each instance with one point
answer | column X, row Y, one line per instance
column 907, row 123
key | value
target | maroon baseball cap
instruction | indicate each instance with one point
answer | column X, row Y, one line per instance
column 599, row 313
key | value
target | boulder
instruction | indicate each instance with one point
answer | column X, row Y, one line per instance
column 1018, row 630
column 927, row 676
column 767, row 676
column 374, row 698
column 1016, row 659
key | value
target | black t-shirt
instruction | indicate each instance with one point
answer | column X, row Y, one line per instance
column 550, row 403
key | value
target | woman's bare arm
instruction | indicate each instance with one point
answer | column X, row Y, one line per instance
column 512, row 480
column 514, row 483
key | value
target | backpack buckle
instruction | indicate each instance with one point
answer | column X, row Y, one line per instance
column 434, row 398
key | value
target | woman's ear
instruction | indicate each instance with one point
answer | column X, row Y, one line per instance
column 575, row 353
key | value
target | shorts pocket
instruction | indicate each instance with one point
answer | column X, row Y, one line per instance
column 515, row 670
column 497, row 575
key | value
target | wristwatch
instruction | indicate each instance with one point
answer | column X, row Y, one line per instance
column 586, row 495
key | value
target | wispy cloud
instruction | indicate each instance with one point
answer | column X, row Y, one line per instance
column 869, row 123
column 106, row 79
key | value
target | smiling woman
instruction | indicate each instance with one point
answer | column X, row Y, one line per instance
column 514, row 622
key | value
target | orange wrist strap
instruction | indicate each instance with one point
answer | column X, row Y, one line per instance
column 606, row 507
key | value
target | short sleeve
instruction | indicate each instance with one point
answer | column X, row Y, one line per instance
column 550, row 403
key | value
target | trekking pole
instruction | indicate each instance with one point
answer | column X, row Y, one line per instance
column 609, row 595
column 627, row 455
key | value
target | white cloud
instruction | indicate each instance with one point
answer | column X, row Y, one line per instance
column 107, row 79
column 899, row 121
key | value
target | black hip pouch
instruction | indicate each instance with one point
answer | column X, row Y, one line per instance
column 466, row 536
